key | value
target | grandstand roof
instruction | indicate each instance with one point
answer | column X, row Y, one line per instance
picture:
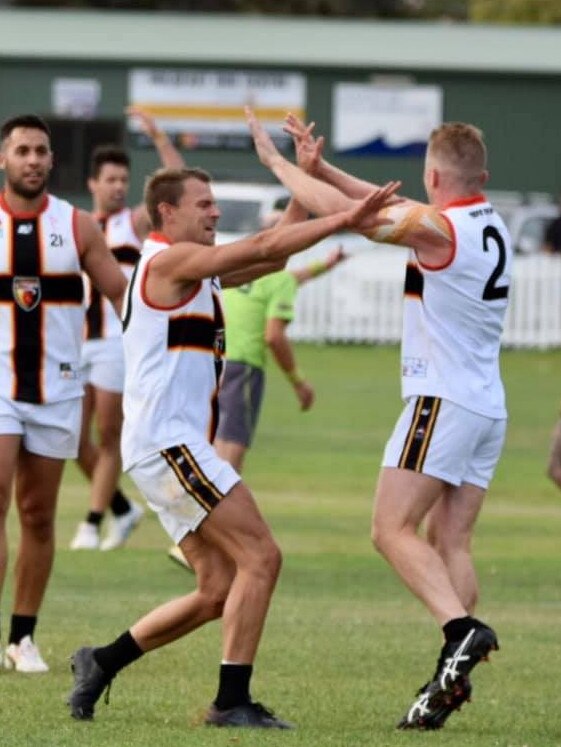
column 175, row 38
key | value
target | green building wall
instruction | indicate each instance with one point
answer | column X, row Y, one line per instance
column 520, row 116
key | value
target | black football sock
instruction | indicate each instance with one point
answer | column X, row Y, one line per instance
column 233, row 688
column 95, row 518
column 119, row 654
column 20, row 626
column 459, row 627
column 120, row 504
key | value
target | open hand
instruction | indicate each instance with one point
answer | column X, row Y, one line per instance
column 305, row 394
column 264, row 145
column 145, row 120
column 309, row 149
column 335, row 256
column 366, row 213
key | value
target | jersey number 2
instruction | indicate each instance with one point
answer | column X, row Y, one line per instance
column 493, row 291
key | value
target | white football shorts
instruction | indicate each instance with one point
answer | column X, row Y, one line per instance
column 441, row 439
column 50, row 430
column 182, row 484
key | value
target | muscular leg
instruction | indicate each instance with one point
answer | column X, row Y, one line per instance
column 449, row 530
column 237, row 564
column 9, row 450
column 237, row 528
column 403, row 498
column 37, row 484
column 109, row 418
column 232, row 452
column 180, row 616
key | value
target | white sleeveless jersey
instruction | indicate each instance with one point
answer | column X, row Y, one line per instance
column 41, row 303
column 453, row 316
column 101, row 320
column 173, row 365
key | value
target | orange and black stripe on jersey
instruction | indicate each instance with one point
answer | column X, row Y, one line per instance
column 28, row 290
column 419, row 434
column 191, row 477
column 95, row 322
column 204, row 333
column 414, row 281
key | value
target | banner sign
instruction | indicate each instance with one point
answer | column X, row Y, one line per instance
column 205, row 108
column 376, row 120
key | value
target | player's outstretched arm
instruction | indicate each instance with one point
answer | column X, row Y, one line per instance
column 187, row 262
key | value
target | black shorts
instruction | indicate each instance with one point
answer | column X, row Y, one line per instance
column 240, row 400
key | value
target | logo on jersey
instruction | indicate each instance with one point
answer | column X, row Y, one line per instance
column 26, row 292
column 415, row 367
column 25, row 229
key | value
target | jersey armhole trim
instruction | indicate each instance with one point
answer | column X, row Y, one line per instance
column 448, row 262
column 186, row 299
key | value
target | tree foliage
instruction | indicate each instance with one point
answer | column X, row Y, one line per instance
column 499, row 11
column 516, row 11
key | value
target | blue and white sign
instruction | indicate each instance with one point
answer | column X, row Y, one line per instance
column 382, row 120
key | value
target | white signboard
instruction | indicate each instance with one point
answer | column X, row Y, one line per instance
column 205, row 108
column 76, row 97
column 381, row 120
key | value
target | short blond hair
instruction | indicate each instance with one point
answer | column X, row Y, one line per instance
column 459, row 146
column 167, row 185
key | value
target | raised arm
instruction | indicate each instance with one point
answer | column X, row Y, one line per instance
column 167, row 152
column 316, row 196
column 98, row 262
column 409, row 223
column 309, row 151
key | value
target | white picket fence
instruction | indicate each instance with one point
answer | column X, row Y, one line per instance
column 360, row 301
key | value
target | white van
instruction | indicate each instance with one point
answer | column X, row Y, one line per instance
column 527, row 216
column 243, row 207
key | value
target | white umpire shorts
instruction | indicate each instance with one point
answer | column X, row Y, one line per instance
column 103, row 364
column 182, row 484
column 50, row 430
column 441, row 439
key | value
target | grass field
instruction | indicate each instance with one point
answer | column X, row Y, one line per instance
column 345, row 645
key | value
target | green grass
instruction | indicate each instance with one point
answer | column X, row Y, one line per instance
column 345, row 644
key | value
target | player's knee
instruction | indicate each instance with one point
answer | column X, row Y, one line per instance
column 37, row 520
column 214, row 599
column 267, row 561
column 380, row 537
